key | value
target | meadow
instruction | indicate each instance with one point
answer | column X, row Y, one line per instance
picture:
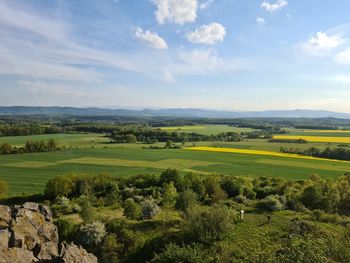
column 93, row 154
column 206, row 129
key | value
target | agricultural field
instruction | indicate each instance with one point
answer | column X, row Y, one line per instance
column 321, row 133
column 326, row 139
column 94, row 154
column 75, row 139
column 206, row 129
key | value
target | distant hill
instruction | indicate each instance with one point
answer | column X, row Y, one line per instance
column 74, row 111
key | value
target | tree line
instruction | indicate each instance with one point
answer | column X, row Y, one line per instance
column 30, row 147
column 24, row 129
column 150, row 135
column 337, row 153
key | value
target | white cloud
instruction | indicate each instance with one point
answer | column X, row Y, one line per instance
column 343, row 57
column 207, row 34
column 176, row 11
column 67, row 59
column 206, row 4
column 206, row 61
column 273, row 7
column 343, row 78
column 321, row 43
column 261, row 21
column 149, row 38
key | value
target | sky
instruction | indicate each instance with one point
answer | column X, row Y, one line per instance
column 236, row 55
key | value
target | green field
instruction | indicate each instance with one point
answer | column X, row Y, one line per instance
column 80, row 140
column 29, row 172
column 94, row 154
column 207, row 129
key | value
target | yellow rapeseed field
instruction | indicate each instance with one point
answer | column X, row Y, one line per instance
column 314, row 138
column 328, row 131
column 259, row 152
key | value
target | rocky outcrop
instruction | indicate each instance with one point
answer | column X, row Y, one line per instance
column 27, row 234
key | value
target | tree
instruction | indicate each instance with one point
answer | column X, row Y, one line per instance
column 6, row 148
column 232, row 187
column 3, row 188
column 170, row 175
column 51, row 145
column 132, row 210
column 168, row 144
column 130, row 138
column 321, row 194
column 186, row 201
column 91, row 234
column 86, row 212
column 67, row 229
column 59, row 186
column 170, row 196
column 110, row 249
column 149, row 208
column 214, row 190
column 273, row 203
column 211, row 224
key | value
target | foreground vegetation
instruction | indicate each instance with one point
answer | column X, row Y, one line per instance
column 188, row 217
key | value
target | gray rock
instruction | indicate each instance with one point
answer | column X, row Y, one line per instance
column 27, row 234
column 4, row 238
column 46, row 212
column 47, row 251
column 5, row 216
column 31, row 206
column 16, row 255
column 71, row 253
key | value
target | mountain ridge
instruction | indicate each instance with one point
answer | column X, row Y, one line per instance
column 171, row 112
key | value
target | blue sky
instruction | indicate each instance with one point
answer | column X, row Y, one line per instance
column 213, row 54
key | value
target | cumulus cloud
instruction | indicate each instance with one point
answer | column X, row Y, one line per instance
column 273, row 7
column 207, row 34
column 176, row 11
column 260, row 21
column 343, row 57
column 320, row 43
column 206, row 4
column 149, row 38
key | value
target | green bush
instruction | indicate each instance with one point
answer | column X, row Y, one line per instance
column 211, row 224
column 273, row 203
column 91, row 234
column 185, row 254
column 149, row 208
column 186, row 201
column 110, row 249
column 132, row 210
column 67, row 230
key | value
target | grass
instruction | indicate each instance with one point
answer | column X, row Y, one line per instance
column 80, row 140
column 93, row 154
column 334, row 139
column 259, row 152
column 28, row 173
column 207, row 129
column 322, row 133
